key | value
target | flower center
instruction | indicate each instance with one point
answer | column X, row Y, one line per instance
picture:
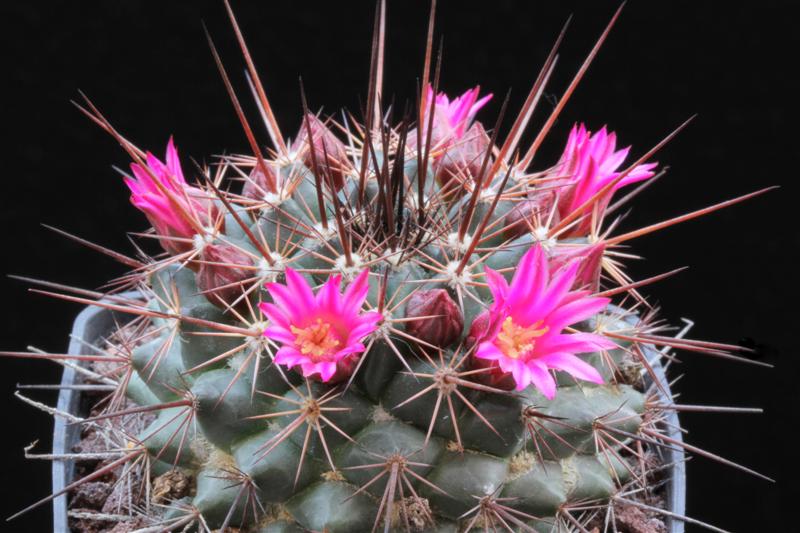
column 315, row 340
column 516, row 341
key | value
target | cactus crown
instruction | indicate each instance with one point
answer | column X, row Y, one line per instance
column 391, row 324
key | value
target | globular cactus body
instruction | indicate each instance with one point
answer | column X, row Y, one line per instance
column 392, row 326
column 375, row 407
column 540, row 453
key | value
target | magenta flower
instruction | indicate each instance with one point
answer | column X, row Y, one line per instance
column 520, row 338
column 321, row 334
column 589, row 258
column 451, row 118
column 459, row 113
column 589, row 163
column 175, row 209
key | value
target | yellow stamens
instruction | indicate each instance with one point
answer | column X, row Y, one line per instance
column 315, row 340
column 515, row 341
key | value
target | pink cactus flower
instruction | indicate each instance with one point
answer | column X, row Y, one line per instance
column 589, row 258
column 589, row 163
column 173, row 214
column 522, row 337
column 451, row 118
column 459, row 113
column 322, row 333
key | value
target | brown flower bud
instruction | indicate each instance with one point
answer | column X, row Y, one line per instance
column 222, row 270
column 441, row 323
column 479, row 328
column 462, row 160
column 329, row 153
column 531, row 213
column 256, row 186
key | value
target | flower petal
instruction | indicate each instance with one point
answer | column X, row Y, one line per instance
column 488, row 351
column 542, row 380
column 328, row 298
column 300, row 290
column 497, row 285
column 356, row 293
column 279, row 334
column 573, row 365
column 288, row 356
column 576, row 311
column 275, row 314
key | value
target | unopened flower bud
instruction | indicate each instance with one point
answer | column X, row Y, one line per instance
column 479, row 328
column 531, row 213
column 441, row 321
column 256, row 187
column 327, row 151
column 462, row 160
column 223, row 268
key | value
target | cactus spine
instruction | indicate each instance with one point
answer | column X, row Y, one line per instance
column 389, row 325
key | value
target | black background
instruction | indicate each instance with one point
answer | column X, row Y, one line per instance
column 147, row 66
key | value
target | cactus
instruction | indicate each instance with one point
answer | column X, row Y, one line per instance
column 391, row 326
